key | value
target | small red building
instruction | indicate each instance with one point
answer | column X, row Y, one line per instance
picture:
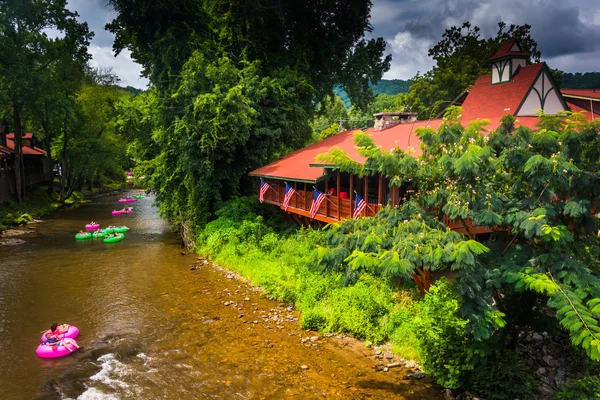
column 36, row 168
column 512, row 87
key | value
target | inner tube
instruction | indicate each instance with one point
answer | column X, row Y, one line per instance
column 121, row 229
column 70, row 333
column 119, row 212
column 92, row 227
column 114, row 239
column 83, row 236
column 63, row 348
column 100, row 234
column 138, row 196
column 108, row 230
column 127, row 200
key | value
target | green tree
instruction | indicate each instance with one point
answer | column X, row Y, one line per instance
column 237, row 84
column 29, row 51
column 537, row 189
column 89, row 146
column 461, row 56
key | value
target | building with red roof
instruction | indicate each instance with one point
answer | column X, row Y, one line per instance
column 36, row 169
column 512, row 87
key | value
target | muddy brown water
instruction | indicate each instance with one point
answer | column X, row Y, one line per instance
column 154, row 329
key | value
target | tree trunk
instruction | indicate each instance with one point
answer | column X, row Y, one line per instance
column 18, row 153
column 46, row 125
column 63, row 176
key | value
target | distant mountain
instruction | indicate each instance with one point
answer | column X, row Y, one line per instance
column 131, row 89
column 587, row 80
column 384, row 86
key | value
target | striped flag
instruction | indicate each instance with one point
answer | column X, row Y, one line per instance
column 264, row 186
column 289, row 192
column 318, row 198
column 359, row 206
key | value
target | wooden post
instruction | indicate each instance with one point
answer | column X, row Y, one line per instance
column 296, row 197
column 351, row 192
column 338, row 195
column 327, row 202
column 380, row 189
column 279, row 193
column 366, row 194
column 305, row 198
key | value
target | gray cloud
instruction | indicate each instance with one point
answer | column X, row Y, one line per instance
column 567, row 32
column 564, row 30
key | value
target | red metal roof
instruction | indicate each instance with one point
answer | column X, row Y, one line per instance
column 11, row 135
column 494, row 101
column 296, row 165
column 505, row 51
column 591, row 93
column 29, row 151
column 586, row 113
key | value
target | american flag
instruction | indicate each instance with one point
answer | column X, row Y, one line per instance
column 359, row 206
column 318, row 198
column 264, row 186
column 289, row 192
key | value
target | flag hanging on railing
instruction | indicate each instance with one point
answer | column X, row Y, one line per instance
column 289, row 192
column 359, row 206
column 264, row 186
column 318, row 198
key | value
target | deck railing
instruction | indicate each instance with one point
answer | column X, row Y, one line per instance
column 331, row 211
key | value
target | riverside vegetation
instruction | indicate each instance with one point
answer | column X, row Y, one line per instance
column 233, row 88
column 537, row 188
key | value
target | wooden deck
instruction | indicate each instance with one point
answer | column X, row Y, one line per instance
column 334, row 210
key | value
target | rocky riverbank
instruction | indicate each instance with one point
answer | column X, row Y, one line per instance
column 284, row 320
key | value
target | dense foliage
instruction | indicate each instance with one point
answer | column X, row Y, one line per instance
column 587, row 80
column 31, row 57
column 537, row 189
column 237, row 88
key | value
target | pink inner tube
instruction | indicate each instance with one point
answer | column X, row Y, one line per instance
column 71, row 333
column 91, row 227
column 64, row 348
column 118, row 212
column 127, row 200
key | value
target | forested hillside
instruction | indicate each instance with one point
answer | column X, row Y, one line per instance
column 578, row 80
column 384, row 86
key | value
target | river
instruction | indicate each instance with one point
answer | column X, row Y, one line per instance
column 153, row 328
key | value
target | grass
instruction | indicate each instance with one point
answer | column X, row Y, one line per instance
column 275, row 256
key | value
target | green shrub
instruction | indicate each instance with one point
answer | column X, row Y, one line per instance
column 586, row 388
column 399, row 328
column 442, row 342
column 503, row 377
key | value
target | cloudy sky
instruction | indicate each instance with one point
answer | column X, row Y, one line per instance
column 567, row 32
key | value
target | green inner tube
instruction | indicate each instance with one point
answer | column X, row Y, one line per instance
column 121, row 229
column 83, row 236
column 108, row 231
column 114, row 239
column 138, row 196
column 100, row 234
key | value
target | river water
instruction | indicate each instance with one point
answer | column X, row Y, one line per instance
column 152, row 328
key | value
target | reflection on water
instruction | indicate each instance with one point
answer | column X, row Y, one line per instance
column 152, row 328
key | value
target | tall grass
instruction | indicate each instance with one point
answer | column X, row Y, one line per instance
column 275, row 255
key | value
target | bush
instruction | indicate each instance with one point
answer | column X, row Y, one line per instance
column 586, row 388
column 357, row 309
column 399, row 328
column 442, row 341
column 503, row 377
